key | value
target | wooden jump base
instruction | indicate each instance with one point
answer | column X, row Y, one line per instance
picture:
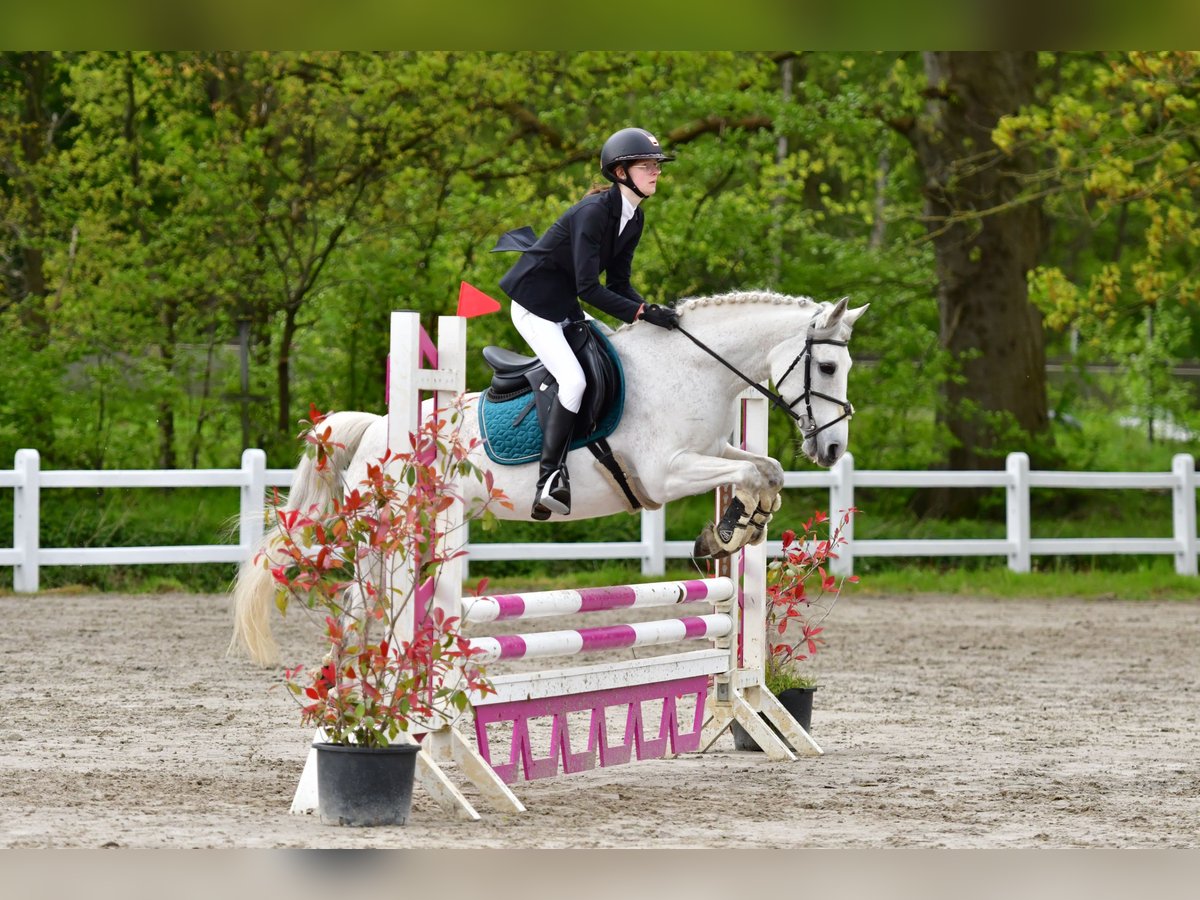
column 732, row 664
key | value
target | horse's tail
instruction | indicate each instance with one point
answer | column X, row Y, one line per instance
column 254, row 590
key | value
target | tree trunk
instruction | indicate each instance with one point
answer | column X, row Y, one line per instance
column 35, row 135
column 283, row 371
column 984, row 248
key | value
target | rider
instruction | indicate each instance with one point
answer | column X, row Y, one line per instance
column 598, row 234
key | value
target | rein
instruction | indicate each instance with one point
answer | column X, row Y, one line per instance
column 806, row 421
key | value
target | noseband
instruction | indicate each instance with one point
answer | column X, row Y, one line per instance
column 806, row 422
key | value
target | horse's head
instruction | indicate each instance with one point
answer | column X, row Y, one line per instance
column 813, row 367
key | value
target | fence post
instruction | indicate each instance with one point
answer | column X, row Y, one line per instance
column 253, row 514
column 841, row 498
column 1017, row 509
column 1183, row 501
column 27, row 521
column 654, row 536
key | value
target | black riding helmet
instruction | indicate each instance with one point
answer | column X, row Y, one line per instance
column 625, row 145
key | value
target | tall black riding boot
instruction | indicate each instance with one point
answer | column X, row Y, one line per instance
column 553, row 493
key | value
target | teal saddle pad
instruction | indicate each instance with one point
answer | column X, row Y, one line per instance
column 510, row 442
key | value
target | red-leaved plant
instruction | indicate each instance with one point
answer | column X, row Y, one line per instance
column 801, row 593
column 376, row 680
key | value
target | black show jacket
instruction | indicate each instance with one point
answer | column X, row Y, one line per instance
column 566, row 262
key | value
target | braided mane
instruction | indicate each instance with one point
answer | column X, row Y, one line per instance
column 741, row 297
column 734, row 298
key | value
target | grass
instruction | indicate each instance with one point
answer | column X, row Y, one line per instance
column 1154, row 581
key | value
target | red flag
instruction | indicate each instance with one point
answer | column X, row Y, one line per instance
column 474, row 302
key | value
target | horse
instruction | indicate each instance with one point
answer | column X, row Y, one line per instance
column 674, row 433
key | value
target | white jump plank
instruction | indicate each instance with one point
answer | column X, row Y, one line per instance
column 604, row 676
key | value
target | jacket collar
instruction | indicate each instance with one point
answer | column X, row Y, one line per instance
column 616, row 204
column 634, row 225
column 614, row 200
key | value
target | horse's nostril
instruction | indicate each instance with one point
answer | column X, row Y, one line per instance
column 835, row 451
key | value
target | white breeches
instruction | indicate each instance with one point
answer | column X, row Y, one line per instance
column 546, row 339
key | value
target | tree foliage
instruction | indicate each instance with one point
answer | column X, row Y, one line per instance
column 196, row 245
column 1118, row 135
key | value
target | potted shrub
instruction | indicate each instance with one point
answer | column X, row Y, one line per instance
column 801, row 594
column 386, row 668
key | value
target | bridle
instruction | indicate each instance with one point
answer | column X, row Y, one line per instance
column 805, row 421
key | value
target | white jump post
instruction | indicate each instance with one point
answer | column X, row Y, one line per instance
column 446, row 380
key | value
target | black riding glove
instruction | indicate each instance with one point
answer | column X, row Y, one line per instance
column 662, row 316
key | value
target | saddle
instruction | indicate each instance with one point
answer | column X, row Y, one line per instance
column 515, row 376
column 521, row 384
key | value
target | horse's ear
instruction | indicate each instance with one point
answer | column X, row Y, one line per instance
column 852, row 315
column 831, row 319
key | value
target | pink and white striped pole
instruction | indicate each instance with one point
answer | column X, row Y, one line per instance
column 605, row 637
column 566, row 602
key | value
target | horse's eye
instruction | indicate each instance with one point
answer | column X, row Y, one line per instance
column 829, row 369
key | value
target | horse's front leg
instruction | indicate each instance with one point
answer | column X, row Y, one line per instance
column 756, row 509
column 755, row 482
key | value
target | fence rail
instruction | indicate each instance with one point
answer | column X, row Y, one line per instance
column 27, row 480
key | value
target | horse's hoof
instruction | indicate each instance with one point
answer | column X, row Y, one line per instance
column 707, row 546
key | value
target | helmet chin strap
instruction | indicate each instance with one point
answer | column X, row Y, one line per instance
column 628, row 182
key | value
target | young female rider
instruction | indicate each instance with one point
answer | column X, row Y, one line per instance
column 598, row 234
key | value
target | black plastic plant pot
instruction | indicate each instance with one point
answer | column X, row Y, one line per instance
column 797, row 701
column 363, row 786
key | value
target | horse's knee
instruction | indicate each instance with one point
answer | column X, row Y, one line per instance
column 773, row 473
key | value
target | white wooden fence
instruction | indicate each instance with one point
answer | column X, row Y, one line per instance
column 27, row 556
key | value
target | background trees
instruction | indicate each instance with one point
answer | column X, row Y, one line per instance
column 194, row 246
column 986, row 237
column 1117, row 139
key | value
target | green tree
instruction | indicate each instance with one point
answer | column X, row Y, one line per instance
column 1119, row 137
column 987, row 236
column 32, row 123
column 136, row 296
